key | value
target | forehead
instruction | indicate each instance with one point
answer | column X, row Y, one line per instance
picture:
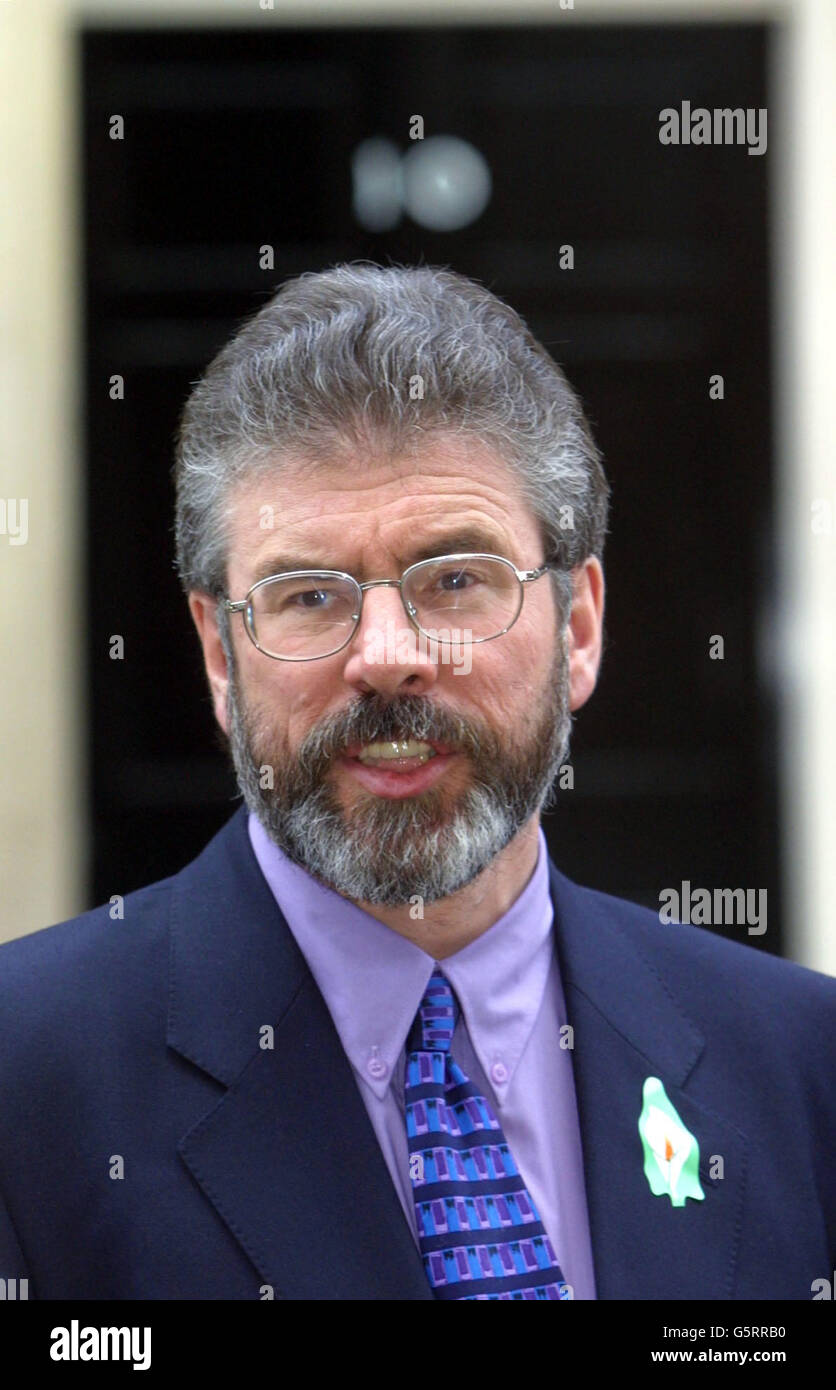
column 328, row 512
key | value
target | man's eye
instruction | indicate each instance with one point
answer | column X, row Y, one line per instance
column 302, row 599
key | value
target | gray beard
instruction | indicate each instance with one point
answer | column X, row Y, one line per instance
column 390, row 852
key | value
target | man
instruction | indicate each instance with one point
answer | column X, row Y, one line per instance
column 372, row 1044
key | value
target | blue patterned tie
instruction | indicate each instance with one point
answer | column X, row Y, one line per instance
column 479, row 1231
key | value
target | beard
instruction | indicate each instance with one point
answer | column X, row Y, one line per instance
column 427, row 846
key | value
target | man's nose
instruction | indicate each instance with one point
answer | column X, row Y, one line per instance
column 387, row 650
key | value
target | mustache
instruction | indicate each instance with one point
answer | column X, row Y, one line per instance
column 374, row 718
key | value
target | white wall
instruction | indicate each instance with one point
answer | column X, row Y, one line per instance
column 43, row 816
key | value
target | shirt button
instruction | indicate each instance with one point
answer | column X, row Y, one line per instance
column 377, row 1068
column 499, row 1073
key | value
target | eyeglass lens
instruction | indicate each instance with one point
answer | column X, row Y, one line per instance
column 314, row 615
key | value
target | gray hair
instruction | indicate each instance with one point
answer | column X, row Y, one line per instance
column 332, row 363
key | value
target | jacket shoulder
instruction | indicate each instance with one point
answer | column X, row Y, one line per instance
column 714, row 972
column 89, row 933
column 108, row 937
column 66, row 980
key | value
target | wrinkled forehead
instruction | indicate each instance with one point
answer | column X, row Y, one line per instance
column 330, row 512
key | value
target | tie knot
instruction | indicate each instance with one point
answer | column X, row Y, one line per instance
column 436, row 1019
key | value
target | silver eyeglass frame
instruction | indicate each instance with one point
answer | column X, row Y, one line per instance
column 244, row 605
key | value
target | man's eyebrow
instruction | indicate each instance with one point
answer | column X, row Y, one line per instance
column 471, row 539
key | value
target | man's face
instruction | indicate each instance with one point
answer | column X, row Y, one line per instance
column 295, row 726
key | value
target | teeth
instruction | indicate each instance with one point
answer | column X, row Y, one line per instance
column 390, row 751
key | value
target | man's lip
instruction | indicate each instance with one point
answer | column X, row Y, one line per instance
column 437, row 747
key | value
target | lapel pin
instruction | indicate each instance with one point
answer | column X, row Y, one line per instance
column 671, row 1151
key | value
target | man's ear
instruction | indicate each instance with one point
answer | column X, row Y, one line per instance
column 203, row 608
column 585, row 631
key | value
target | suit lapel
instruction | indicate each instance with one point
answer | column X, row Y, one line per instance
column 627, row 1026
column 288, row 1156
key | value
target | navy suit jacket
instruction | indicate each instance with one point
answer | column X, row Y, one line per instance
column 243, row 1167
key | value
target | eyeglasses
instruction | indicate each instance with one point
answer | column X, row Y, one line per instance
column 304, row 615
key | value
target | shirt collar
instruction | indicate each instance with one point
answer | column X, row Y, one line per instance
column 373, row 979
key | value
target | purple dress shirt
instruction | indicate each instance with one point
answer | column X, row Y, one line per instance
column 508, row 1039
